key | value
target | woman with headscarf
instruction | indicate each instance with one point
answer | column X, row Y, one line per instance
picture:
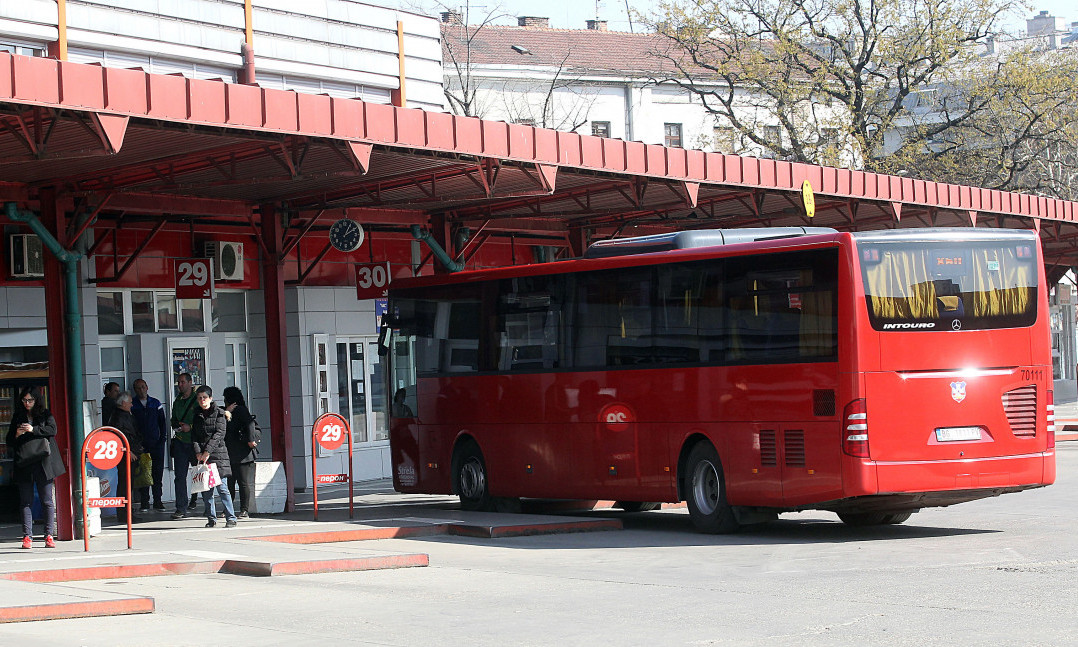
column 32, row 430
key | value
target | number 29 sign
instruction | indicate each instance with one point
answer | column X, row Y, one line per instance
column 329, row 432
column 194, row 278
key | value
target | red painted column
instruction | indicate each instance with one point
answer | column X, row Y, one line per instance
column 277, row 348
column 53, row 217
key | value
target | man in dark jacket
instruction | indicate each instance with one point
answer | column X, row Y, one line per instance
column 125, row 422
column 108, row 403
column 150, row 419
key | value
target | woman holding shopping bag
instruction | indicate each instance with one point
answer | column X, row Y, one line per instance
column 208, row 442
column 32, row 439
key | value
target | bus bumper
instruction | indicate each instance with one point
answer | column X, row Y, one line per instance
column 1024, row 470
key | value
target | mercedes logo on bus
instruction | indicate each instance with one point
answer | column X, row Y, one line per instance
column 956, row 325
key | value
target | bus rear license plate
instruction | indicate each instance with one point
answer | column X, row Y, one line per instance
column 952, row 434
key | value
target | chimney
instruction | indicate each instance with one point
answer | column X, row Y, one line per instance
column 533, row 22
column 597, row 25
column 452, row 18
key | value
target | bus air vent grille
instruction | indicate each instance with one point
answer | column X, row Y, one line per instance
column 768, row 449
column 823, row 402
column 794, row 444
column 1020, row 405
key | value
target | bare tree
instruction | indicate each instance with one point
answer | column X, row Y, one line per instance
column 885, row 85
column 561, row 102
column 459, row 34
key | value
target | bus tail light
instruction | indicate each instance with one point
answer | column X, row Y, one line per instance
column 855, row 429
column 1051, row 420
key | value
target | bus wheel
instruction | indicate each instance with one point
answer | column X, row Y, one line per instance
column 873, row 518
column 637, row 506
column 470, row 478
column 705, row 491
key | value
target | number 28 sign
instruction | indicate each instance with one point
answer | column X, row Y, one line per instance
column 106, row 450
column 194, row 278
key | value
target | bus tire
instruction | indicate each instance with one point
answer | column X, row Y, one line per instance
column 637, row 506
column 470, row 478
column 873, row 518
column 705, row 491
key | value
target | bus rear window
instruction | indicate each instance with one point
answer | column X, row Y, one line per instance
column 950, row 286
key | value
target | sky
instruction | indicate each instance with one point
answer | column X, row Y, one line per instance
column 573, row 13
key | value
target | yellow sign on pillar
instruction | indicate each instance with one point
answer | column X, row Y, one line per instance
column 808, row 199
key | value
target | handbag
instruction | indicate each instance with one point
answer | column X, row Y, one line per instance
column 197, row 478
column 202, row 477
column 214, row 477
column 143, row 476
column 32, row 451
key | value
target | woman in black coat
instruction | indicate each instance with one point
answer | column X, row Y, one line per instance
column 241, row 438
column 28, row 422
column 208, row 442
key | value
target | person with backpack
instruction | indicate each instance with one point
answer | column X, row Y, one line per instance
column 241, row 437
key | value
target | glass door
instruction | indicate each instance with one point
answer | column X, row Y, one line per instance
column 361, row 390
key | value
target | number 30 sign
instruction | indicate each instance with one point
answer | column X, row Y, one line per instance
column 194, row 278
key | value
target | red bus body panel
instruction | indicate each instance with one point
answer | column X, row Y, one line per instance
column 543, row 434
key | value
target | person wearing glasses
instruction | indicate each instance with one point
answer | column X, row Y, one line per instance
column 32, row 438
column 208, row 442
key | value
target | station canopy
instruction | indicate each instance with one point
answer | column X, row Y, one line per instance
column 119, row 142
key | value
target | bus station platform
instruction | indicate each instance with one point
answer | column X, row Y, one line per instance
column 32, row 582
column 1066, row 401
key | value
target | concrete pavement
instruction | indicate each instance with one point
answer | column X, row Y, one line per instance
column 32, row 581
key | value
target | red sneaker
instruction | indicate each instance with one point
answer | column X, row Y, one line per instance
column 27, row 542
column 50, row 542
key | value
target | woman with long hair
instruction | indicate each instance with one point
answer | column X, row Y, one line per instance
column 31, row 438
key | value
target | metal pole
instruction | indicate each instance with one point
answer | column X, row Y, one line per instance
column 73, row 319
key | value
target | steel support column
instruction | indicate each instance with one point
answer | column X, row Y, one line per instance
column 277, row 347
column 53, row 217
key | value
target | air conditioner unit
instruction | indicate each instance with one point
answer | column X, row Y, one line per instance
column 27, row 256
column 227, row 260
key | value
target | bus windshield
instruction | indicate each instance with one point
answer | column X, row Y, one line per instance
column 951, row 285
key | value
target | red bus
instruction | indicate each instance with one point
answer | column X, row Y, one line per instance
column 745, row 372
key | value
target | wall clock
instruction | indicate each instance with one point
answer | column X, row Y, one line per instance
column 346, row 235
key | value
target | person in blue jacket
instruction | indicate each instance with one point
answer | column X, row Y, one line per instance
column 150, row 420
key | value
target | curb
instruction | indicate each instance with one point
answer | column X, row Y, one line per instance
column 65, row 610
column 450, row 529
column 228, row 567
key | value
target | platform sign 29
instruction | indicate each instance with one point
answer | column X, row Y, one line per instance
column 194, row 278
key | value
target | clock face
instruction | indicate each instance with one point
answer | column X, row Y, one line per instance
column 346, row 235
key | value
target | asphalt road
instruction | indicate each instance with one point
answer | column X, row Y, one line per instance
column 995, row 572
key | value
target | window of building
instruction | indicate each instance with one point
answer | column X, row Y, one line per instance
column 229, row 311
column 142, row 313
column 672, row 135
column 110, row 313
column 600, row 128
column 23, row 49
column 157, row 311
column 726, row 140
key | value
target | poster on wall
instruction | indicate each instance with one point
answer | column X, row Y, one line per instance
column 190, row 360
